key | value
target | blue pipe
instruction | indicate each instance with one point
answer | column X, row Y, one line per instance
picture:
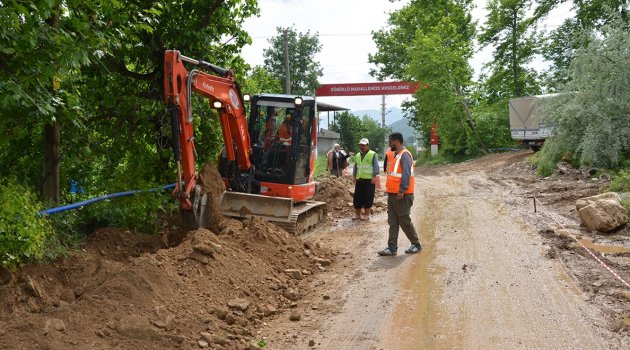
column 101, row 198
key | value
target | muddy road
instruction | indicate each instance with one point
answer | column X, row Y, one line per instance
column 486, row 277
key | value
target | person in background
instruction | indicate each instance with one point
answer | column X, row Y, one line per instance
column 365, row 175
column 400, row 187
column 337, row 160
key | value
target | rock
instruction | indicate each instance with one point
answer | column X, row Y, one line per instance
column 204, row 249
column 326, row 297
column 54, row 324
column 239, row 304
column 295, row 273
column 269, row 310
column 221, row 313
column 602, row 212
column 295, row 316
column 322, row 262
column 31, row 287
column 202, row 343
column 78, row 291
column 604, row 177
column 311, row 343
column 230, row 319
column 199, row 257
column 214, row 339
column 290, row 294
column 135, row 327
column 565, row 168
column 168, row 324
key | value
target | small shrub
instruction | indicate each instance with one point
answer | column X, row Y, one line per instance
column 620, row 182
column 22, row 230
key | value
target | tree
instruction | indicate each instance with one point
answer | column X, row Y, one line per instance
column 375, row 133
column 591, row 115
column 431, row 42
column 107, row 58
column 561, row 44
column 304, row 69
column 350, row 128
column 513, row 35
column 260, row 80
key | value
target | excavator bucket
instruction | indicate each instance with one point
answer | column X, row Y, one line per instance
column 248, row 205
column 294, row 217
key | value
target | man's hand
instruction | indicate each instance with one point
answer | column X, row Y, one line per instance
column 354, row 180
column 373, row 182
column 400, row 196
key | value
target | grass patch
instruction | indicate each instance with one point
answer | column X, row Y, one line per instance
column 320, row 166
column 620, row 182
column 425, row 158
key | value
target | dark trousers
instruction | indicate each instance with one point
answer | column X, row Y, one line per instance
column 398, row 212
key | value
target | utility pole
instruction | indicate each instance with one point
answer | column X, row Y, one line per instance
column 383, row 111
column 287, row 72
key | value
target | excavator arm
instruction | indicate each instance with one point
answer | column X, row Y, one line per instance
column 225, row 96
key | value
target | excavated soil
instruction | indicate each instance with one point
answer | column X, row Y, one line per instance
column 493, row 274
column 338, row 193
column 203, row 288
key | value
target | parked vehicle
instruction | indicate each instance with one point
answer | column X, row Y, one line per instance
column 527, row 122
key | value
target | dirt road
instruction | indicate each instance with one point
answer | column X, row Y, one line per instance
column 482, row 281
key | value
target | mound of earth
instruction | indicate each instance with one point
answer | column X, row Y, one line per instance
column 338, row 193
column 122, row 290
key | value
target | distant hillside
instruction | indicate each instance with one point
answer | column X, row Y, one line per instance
column 402, row 126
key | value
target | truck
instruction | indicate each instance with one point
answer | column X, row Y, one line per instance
column 268, row 159
column 527, row 120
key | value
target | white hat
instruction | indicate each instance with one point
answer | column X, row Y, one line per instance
column 364, row 142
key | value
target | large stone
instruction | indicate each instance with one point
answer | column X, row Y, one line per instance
column 135, row 327
column 603, row 212
column 238, row 304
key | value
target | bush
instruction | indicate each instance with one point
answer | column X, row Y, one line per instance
column 142, row 212
column 620, row 182
column 23, row 231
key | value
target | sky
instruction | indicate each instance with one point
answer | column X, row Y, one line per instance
column 345, row 28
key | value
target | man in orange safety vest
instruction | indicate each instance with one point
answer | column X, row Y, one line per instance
column 399, row 186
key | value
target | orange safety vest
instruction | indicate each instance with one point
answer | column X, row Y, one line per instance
column 394, row 173
column 284, row 133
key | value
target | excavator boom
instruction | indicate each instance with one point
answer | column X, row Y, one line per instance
column 254, row 188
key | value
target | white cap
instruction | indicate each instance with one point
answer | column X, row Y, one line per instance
column 364, row 142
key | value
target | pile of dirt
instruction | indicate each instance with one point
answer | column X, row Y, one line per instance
column 129, row 291
column 338, row 193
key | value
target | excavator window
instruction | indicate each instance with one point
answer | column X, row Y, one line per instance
column 281, row 135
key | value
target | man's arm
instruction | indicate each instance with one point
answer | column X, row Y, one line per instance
column 406, row 163
column 385, row 164
column 375, row 165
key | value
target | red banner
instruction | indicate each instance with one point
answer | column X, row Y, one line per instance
column 379, row 88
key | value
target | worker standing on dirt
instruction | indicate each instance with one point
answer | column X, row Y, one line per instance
column 365, row 174
column 400, row 187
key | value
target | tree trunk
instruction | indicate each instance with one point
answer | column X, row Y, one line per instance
column 50, row 183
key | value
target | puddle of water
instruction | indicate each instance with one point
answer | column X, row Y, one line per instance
column 603, row 249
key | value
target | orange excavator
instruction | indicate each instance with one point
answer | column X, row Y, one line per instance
column 267, row 161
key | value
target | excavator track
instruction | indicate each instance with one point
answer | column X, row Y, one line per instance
column 305, row 217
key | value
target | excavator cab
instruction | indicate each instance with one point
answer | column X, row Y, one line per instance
column 283, row 145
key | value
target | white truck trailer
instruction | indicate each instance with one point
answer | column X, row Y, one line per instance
column 527, row 122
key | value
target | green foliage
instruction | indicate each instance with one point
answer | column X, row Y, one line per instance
column 261, row 80
column 304, row 69
column 431, row 42
column 425, row 158
column 376, row 134
column 493, row 125
column 320, row 166
column 142, row 212
column 22, row 230
column 350, row 128
column 591, row 116
column 561, row 44
column 620, row 182
column 512, row 34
